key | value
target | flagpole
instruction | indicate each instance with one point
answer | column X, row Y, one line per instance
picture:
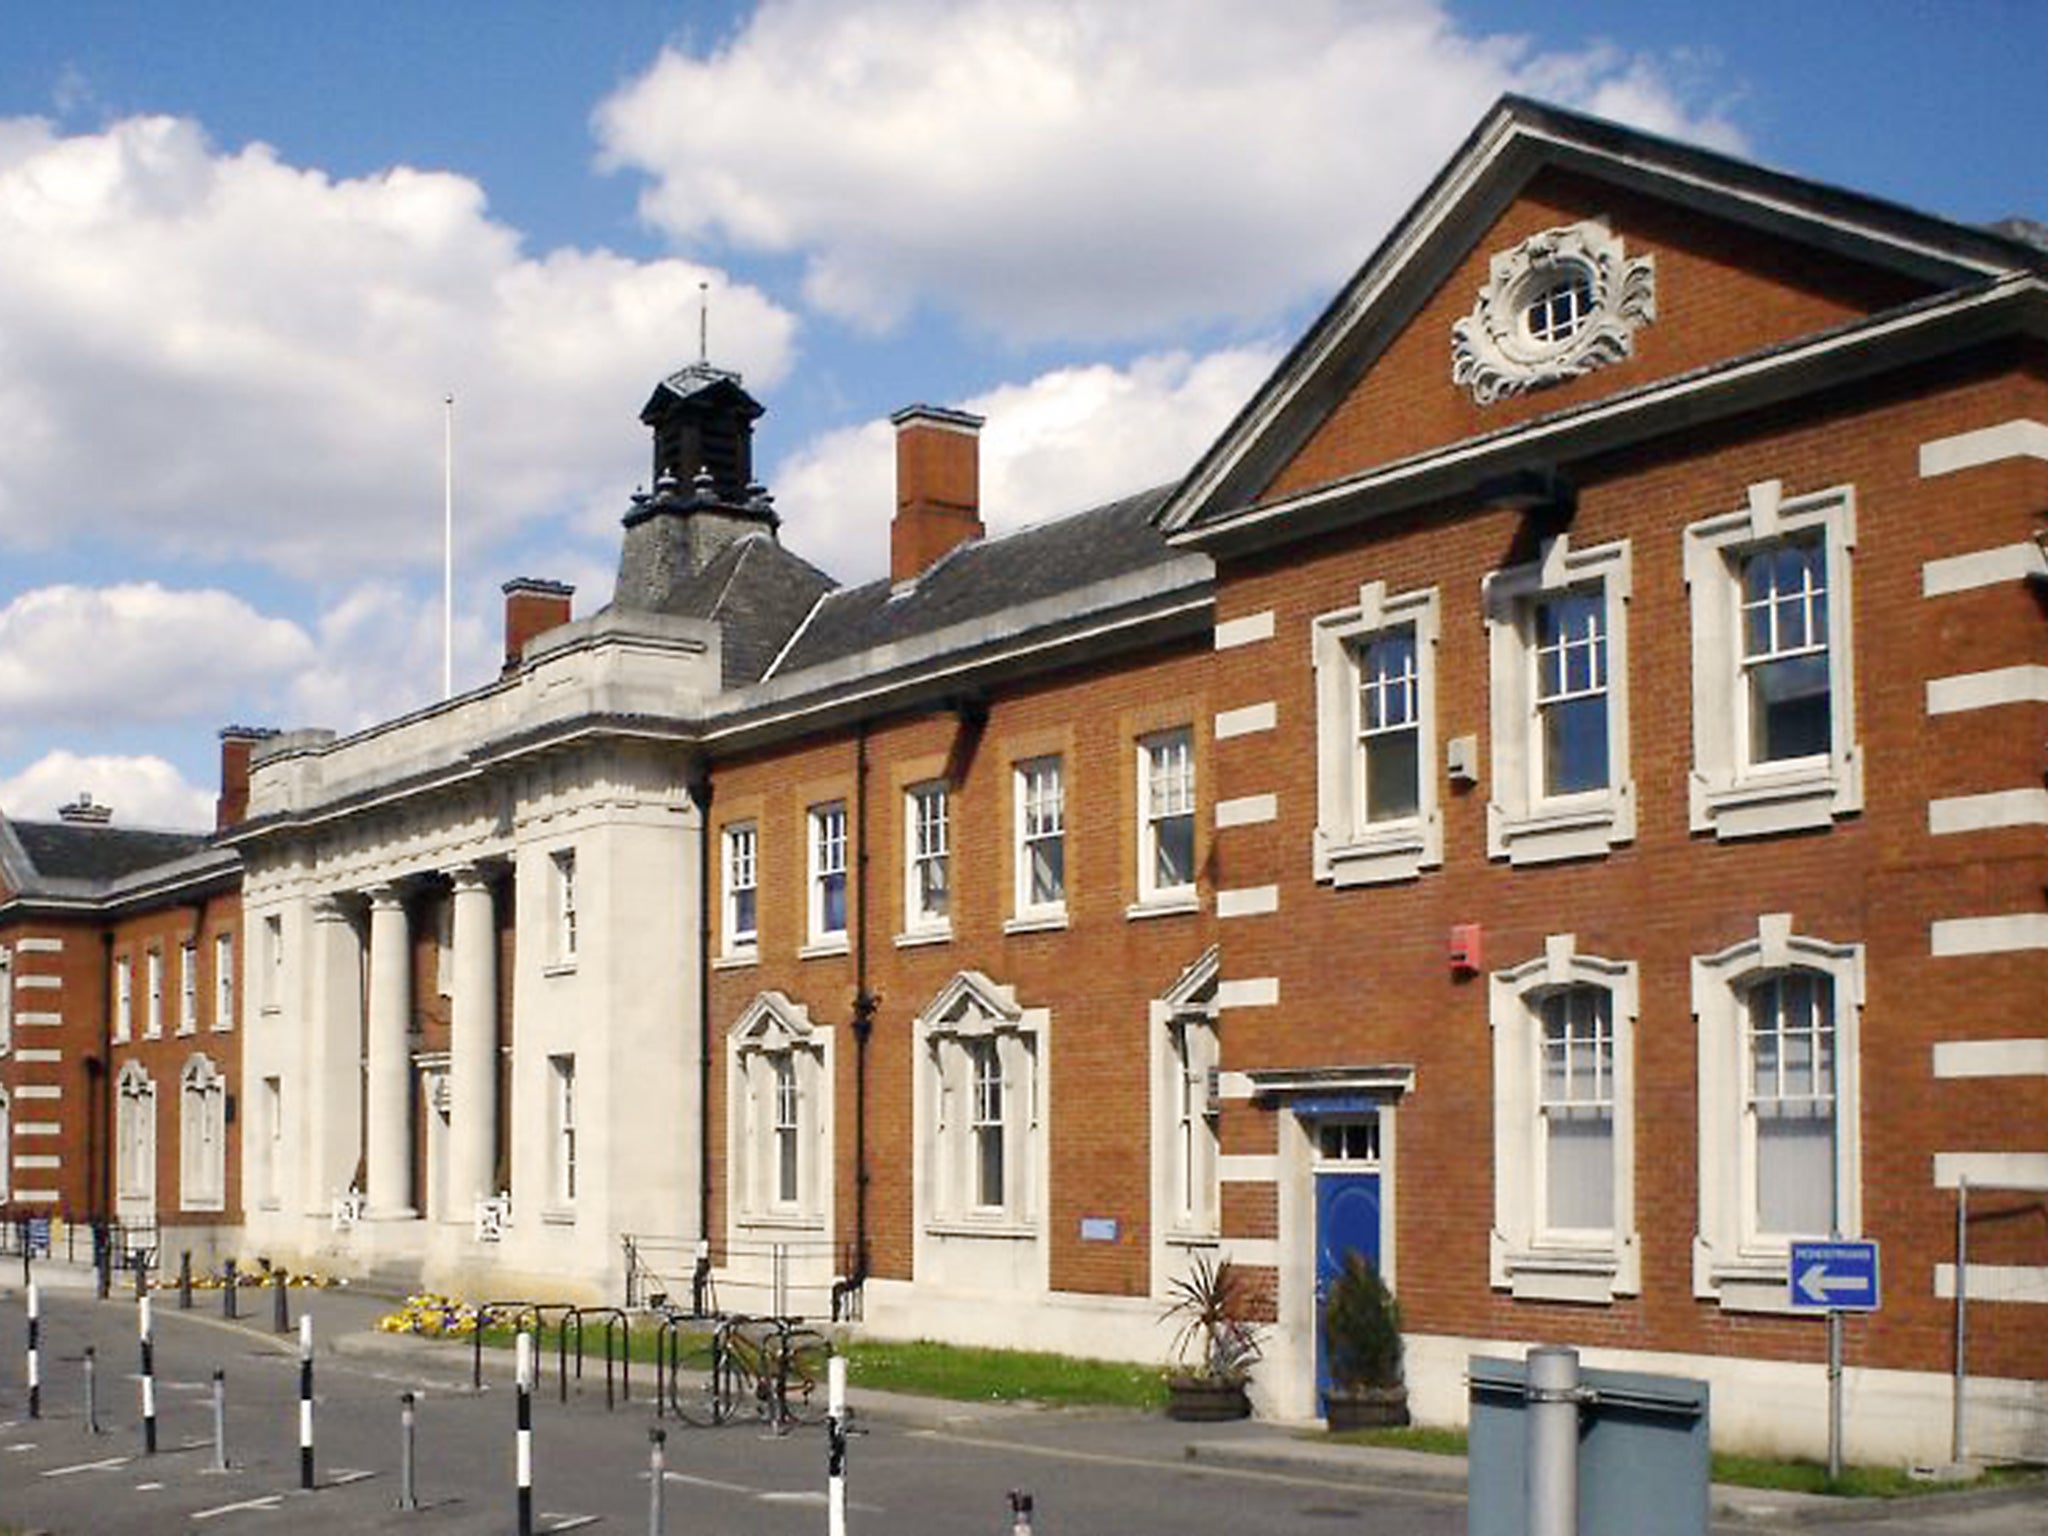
column 448, row 548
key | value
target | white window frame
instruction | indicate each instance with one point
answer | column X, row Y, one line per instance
column 1526, row 1257
column 153, row 995
column 202, row 1137
column 270, row 1145
column 1186, row 1054
column 1524, row 824
column 1731, row 796
column 1733, row 1261
column 6, row 1021
column 740, row 866
column 1167, row 791
column 188, row 987
column 6, row 1146
column 1349, row 847
column 970, row 1015
column 562, row 1131
column 223, row 982
column 124, row 999
column 772, row 1034
column 562, row 909
column 273, row 962
column 135, row 1140
column 825, row 842
column 1038, row 815
column 927, row 841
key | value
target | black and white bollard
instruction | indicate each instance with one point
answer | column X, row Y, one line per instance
column 657, row 1481
column 220, row 1420
column 92, row 1392
column 835, row 1445
column 1020, row 1513
column 524, row 1455
column 408, row 1494
column 147, row 1335
column 35, row 1353
column 306, row 1401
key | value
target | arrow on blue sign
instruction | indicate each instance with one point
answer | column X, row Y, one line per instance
column 1839, row 1276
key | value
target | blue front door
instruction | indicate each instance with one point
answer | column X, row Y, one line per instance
column 1347, row 1218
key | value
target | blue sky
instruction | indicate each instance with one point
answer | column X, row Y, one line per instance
column 245, row 249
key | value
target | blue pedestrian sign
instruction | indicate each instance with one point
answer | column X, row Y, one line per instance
column 1833, row 1277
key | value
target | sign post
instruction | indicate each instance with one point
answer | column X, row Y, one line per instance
column 1836, row 1276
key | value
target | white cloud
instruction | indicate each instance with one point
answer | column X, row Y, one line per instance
column 143, row 791
column 378, row 654
column 219, row 355
column 1064, row 168
column 1059, row 443
column 79, row 656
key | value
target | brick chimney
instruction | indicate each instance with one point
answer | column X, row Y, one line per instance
column 532, row 607
column 938, row 487
column 237, row 747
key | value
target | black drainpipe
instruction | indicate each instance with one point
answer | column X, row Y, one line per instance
column 105, row 1139
column 864, row 1006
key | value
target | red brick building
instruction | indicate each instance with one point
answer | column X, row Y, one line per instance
column 1552, row 800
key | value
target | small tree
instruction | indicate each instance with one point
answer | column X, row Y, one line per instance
column 1362, row 1327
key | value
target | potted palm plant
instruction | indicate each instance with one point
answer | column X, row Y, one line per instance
column 1362, row 1334
column 1215, row 1345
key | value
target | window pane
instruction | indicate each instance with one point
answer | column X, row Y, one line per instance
column 1391, row 789
column 1048, row 871
column 1579, row 1167
column 743, row 911
column 1789, row 708
column 1174, row 848
column 832, row 903
column 1795, row 1156
column 1575, row 746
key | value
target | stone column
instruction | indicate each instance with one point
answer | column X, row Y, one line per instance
column 390, row 1071
column 330, row 1092
column 472, row 1045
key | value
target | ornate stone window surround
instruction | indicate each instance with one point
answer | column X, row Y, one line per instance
column 774, row 1030
column 1525, row 1258
column 1731, row 795
column 1732, row 1262
column 1524, row 824
column 1562, row 303
column 1349, row 848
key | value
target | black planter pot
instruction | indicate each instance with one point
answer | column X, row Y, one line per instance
column 1202, row 1400
column 1366, row 1407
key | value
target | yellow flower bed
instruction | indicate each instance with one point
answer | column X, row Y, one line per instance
column 432, row 1316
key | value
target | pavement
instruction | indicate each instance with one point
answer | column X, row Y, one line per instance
column 347, row 1323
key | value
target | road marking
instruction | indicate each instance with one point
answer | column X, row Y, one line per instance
column 568, row 1522
column 805, row 1497
column 268, row 1501
column 709, row 1482
column 26, row 1445
column 149, row 1487
column 90, row 1466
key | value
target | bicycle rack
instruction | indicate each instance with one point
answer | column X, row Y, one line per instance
column 525, row 1316
column 616, row 1325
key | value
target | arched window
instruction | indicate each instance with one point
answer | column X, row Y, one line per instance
column 202, row 1137
column 135, row 1141
column 1564, row 1149
column 1779, row 1155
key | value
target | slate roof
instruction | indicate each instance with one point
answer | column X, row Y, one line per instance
column 64, row 851
column 984, row 577
column 758, row 593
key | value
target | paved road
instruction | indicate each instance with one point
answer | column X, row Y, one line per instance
column 917, row 1469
